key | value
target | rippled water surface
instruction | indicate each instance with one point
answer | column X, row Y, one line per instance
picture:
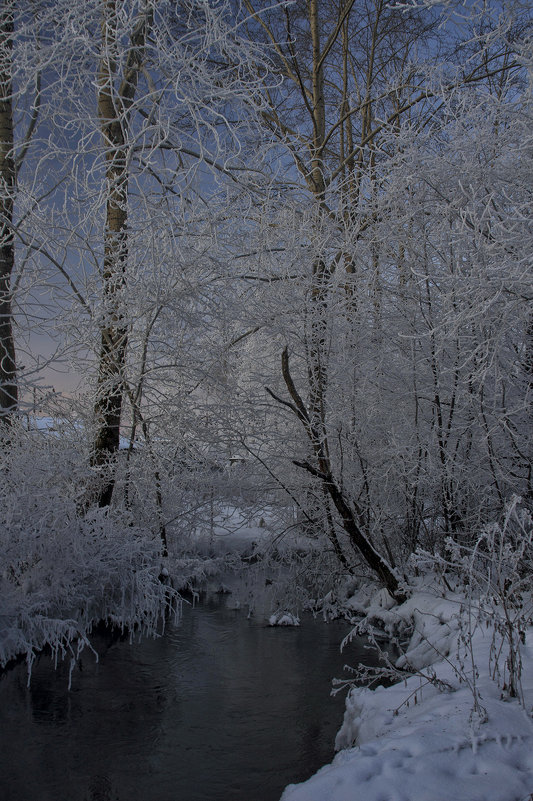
column 222, row 708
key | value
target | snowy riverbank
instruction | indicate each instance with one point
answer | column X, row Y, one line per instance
column 450, row 732
column 451, row 728
column 62, row 576
column 62, row 572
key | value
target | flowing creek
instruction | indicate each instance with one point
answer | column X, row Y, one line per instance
column 221, row 708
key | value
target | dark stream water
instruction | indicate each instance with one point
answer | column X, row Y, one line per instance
column 222, row 708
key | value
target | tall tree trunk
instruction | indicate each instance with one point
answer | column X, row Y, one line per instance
column 8, row 378
column 318, row 327
column 114, row 103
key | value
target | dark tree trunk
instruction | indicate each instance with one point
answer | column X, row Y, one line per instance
column 350, row 516
column 8, row 376
column 114, row 101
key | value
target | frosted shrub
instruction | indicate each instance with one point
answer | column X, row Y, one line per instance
column 471, row 590
column 493, row 582
column 64, row 570
column 496, row 572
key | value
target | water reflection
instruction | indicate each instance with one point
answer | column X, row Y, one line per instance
column 222, row 708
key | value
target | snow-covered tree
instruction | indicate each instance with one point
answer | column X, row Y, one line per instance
column 372, row 367
column 147, row 110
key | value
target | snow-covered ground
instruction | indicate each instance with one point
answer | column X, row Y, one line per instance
column 422, row 739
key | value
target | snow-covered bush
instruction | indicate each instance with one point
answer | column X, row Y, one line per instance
column 65, row 569
column 469, row 610
column 496, row 573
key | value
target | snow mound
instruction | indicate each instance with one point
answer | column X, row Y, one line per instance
column 283, row 619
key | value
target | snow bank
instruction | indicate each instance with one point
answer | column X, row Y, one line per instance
column 422, row 738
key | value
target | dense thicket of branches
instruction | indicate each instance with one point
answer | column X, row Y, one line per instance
column 298, row 234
